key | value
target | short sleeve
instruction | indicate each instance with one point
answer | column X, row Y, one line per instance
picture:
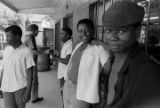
column 29, row 62
column 104, row 55
column 69, row 49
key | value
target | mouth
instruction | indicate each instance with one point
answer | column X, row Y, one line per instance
column 83, row 37
column 114, row 45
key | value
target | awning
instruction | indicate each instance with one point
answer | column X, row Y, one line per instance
column 33, row 6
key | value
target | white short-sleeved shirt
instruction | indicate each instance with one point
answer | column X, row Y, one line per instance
column 92, row 60
column 7, row 50
column 66, row 50
column 15, row 65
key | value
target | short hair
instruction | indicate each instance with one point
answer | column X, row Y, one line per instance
column 68, row 31
column 87, row 22
column 32, row 27
column 15, row 29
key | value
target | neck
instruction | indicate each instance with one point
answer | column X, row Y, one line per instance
column 120, row 56
column 17, row 45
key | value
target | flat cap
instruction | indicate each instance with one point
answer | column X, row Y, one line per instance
column 123, row 13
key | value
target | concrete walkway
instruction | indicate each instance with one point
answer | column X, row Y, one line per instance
column 49, row 89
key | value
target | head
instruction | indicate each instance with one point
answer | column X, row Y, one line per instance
column 33, row 29
column 122, row 23
column 66, row 34
column 13, row 34
column 85, row 28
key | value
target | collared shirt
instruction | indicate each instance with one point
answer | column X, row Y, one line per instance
column 7, row 50
column 92, row 60
column 15, row 65
column 66, row 50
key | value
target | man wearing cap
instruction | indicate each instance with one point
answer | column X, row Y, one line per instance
column 134, row 78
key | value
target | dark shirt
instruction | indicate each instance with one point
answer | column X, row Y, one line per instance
column 31, row 43
column 34, row 43
column 138, row 83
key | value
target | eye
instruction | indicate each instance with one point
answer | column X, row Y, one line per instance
column 87, row 33
column 122, row 31
column 107, row 30
column 80, row 32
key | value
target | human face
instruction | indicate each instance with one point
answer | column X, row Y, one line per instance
column 120, row 40
column 84, row 33
column 11, row 38
column 64, row 36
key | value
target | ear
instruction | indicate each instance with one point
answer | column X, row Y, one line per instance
column 17, row 37
column 68, row 36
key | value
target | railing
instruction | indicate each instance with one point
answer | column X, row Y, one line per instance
column 1, row 45
column 1, row 42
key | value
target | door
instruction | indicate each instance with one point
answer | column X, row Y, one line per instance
column 49, row 38
column 57, row 37
column 68, row 21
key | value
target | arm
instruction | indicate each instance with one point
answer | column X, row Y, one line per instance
column 36, row 52
column 67, row 50
column 29, row 84
column 62, row 60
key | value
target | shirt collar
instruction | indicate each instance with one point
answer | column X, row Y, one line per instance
column 68, row 41
column 21, row 46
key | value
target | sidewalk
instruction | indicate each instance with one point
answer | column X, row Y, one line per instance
column 49, row 89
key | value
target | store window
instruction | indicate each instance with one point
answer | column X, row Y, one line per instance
column 150, row 31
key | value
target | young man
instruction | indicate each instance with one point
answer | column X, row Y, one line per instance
column 84, row 66
column 31, row 43
column 66, row 39
column 17, row 70
column 134, row 78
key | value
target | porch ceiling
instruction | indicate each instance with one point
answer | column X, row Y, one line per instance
column 33, row 6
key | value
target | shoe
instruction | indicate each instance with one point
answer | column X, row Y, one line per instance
column 37, row 99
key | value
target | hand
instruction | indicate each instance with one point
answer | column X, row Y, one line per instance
column 54, row 57
column 27, row 96
column 51, row 51
column 56, row 53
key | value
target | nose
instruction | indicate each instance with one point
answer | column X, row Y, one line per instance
column 82, row 34
column 113, row 36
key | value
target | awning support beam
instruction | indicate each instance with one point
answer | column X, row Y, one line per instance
column 9, row 5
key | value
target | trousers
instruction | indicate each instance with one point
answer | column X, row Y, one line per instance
column 34, row 90
column 69, row 97
column 14, row 99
